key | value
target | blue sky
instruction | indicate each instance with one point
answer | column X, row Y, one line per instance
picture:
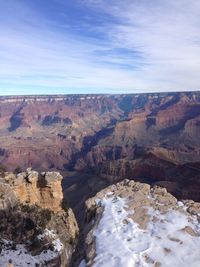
column 99, row 46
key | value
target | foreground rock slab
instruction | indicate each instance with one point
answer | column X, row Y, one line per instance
column 132, row 224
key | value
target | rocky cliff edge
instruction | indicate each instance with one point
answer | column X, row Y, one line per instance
column 36, row 225
column 132, row 224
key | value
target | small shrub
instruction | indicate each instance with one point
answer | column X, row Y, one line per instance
column 29, row 224
column 27, row 208
column 17, row 170
column 65, row 205
column 44, row 217
column 2, row 170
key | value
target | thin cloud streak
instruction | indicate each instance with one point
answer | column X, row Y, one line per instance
column 166, row 33
column 46, row 52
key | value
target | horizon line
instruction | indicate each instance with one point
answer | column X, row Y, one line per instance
column 97, row 94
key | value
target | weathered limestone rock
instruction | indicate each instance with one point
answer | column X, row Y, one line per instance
column 7, row 197
column 43, row 189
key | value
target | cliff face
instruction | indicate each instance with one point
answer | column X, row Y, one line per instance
column 132, row 224
column 32, row 188
column 35, row 220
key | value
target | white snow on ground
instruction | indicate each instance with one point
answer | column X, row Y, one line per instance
column 22, row 258
column 121, row 243
column 82, row 264
column 58, row 246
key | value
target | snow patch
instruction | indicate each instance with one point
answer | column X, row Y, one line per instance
column 58, row 246
column 21, row 256
column 120, row 242
column 82, row 264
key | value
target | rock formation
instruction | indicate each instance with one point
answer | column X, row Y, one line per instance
column 36, row 224
column 32, row 188
column 133, row 223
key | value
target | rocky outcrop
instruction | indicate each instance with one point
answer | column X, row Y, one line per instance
column 8, row 198
column 37, row 226
column 147, row 222
column 32, row 188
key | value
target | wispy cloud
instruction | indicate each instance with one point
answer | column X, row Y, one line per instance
column 99, row 46
column 165, row 32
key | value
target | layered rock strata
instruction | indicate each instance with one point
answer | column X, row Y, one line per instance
column 33, row 188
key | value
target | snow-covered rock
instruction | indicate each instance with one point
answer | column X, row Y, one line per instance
column 22, row 257
column 131, row 224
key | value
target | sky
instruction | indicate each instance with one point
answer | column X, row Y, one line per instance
column 99, row 46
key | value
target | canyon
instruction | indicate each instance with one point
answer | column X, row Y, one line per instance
column 131, row 161
column 151, row 138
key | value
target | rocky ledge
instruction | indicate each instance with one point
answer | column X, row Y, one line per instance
column 132, row 224
column 37, row 228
